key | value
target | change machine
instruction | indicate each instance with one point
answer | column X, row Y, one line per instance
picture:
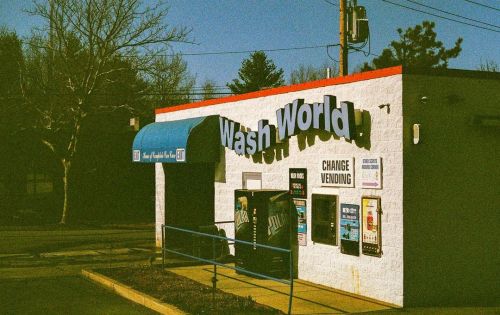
column 266, row 217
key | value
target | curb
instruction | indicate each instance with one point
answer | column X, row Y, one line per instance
column 131, row 294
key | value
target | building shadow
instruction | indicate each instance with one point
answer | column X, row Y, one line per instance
column 309, row 138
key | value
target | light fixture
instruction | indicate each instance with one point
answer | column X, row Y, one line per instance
column 388, row 106
column 416, row 133
column 134, row 123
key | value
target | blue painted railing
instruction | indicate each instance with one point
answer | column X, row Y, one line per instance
column 216, row 263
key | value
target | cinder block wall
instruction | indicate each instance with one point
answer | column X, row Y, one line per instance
column 379, row 278
column 451, row 196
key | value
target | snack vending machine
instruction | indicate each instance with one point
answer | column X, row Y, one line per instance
column 266, row 217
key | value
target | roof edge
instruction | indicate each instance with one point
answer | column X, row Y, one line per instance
column 363, row 76
column 475, row 74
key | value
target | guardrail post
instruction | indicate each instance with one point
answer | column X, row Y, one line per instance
column 291, row 283
column 214, row 278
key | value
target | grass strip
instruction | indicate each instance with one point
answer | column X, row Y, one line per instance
column 188, row 295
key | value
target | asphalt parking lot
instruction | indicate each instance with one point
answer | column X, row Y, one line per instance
column 40, row 269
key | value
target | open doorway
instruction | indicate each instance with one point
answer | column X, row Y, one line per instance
column 189, row 199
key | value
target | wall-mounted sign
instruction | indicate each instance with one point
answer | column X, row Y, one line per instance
column 293, row 118
column 371, row 173
column 371, row 210
column 300, row 205
column 179, row 155
column 349, row 229
column 297, row 179
column 337, row 172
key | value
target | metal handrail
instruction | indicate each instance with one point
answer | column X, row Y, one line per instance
column 223, row 222
column 279, row 249
column 216, row 263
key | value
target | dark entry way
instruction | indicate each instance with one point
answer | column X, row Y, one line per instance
column 189, row 194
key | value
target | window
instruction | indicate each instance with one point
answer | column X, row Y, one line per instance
column 38, row 183
column 324, row 219
column 252, row 180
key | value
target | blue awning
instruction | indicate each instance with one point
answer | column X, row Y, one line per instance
column 181, row 141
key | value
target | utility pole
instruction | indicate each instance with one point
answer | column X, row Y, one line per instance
column 343, row 65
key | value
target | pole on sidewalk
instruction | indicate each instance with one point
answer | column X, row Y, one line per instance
column 214, row 277
column 290, row 259
column 162, row 247
column 344, row 49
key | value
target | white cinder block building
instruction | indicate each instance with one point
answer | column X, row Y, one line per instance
column 395, row 174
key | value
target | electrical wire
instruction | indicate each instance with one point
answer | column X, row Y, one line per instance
column 238, row 51
column 367, row 41
column 446, row 12
column 335, row 5
column 215, row 88
column 440, row 16
column 366, row 53
column 357, row 48
column 328, row 52
column 483, row 5
column 14, row 96
column 233, row 52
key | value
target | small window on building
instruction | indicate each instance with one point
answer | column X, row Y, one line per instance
column 324, row 219
column 252, row 180
column 38, row 183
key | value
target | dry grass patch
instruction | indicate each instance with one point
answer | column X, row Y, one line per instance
column 188, row 295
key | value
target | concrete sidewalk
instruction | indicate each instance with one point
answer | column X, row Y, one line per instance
column 308, row 298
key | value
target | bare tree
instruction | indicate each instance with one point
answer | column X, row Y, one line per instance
column 310, row 73
column 208, row 90
column 170, row 81
column 489, row 65
column 77, row 53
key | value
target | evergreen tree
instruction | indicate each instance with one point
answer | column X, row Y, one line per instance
column 257, row 72
column 489, row 66
column 417, row 47
column 11, row 102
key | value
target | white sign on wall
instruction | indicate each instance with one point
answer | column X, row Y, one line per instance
column 337, row 172
column 371, row 173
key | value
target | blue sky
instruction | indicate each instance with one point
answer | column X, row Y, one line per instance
column 233, row 25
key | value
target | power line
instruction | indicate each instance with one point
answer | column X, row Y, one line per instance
column 328, row 52
column 233, row 52
column 242, row 51
column 483, row 5
column 440, row 16
column 18, row 96
column 457, row 15
column 330, row 3
column 220, row 87
column 367, row 53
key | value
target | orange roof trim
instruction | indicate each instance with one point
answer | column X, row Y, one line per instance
column 287, row 89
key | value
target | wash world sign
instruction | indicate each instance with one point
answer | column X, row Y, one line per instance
column 292, row 119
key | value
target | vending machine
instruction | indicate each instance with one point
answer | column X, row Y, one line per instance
column 266, row 217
